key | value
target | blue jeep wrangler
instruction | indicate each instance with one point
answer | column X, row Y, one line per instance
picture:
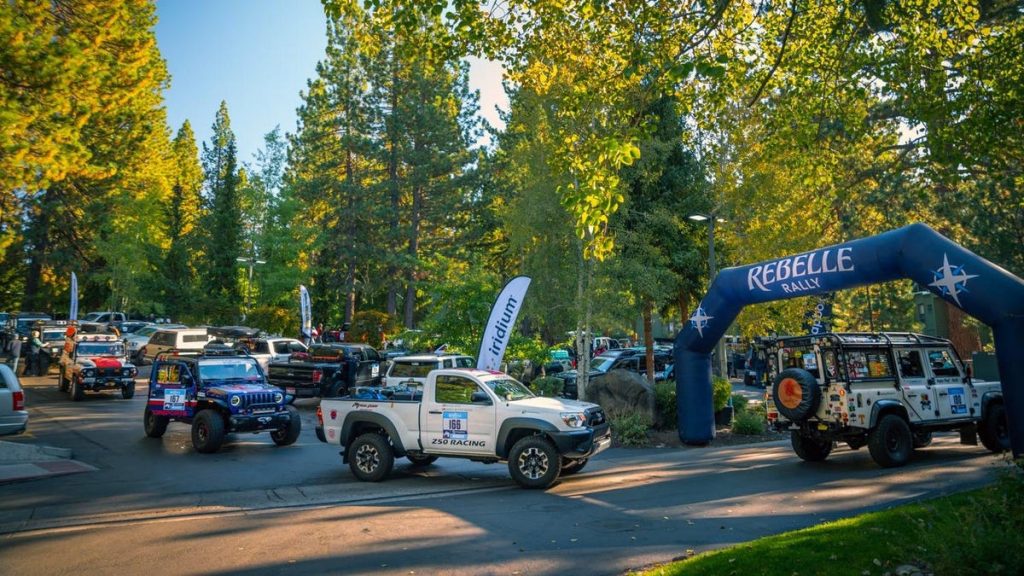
column 217, row 394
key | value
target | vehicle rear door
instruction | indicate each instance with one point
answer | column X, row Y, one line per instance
column 953, row 397
column 172, row 390
column 919, row 397
column 460, row 417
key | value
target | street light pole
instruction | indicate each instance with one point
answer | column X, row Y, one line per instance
column 722, row 365
column 252, row 262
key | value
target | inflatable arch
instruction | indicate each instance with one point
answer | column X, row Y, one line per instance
column 980, row 288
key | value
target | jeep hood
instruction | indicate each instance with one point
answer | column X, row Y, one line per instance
column 545, row 404
column 241, row 388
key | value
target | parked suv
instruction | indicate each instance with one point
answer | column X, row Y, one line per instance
column 216, row 394
column 411, row 371
column 888, row 391
column 174, row 339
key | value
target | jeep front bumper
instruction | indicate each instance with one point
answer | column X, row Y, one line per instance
column 259, row 422
column 107, row 382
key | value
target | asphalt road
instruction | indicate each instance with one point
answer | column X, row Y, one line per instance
column 158, row 506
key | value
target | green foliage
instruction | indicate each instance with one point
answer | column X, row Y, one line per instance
column 369, row 326
column 665, row 404
column 274, row 320
column 630, row 428
column 985, row 524
column 721, row 391
column 548, row 386
column 739, row 402
column 748, row 422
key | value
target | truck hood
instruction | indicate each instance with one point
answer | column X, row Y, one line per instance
column 543, row 403
column 103, row 362
column 225, row 389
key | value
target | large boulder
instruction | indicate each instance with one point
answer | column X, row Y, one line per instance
column 621, row 391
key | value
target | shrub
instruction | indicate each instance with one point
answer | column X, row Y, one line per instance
column 739, row 403
column 665, row 405
column 721, row 390
column 630, row 428
column 748, row 423
column 548, row 386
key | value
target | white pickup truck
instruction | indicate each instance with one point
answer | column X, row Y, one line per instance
column 465, row 413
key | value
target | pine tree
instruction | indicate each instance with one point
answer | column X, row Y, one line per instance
column 183, row 213
column 222, row 222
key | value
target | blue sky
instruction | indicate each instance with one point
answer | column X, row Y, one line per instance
column 257, row 56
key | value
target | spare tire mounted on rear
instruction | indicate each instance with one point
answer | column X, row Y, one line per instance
column 796, row 394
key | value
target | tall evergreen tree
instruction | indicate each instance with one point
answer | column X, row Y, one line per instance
column 223, row 221
column 183, row 213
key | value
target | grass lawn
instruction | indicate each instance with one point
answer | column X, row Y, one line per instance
column 976, row 532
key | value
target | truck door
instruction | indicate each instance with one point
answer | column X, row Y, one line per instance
column 919, row 397
column 952, row 394
column 460, row 417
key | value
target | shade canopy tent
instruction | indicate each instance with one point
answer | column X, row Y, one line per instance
column 968, row 281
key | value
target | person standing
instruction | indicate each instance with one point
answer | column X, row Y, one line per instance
column 35, row 346
column 12, row 360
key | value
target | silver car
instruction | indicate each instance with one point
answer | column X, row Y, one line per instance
column 13, row 416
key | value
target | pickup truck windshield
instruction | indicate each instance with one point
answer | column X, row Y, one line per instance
column 228, row 370
column 509, row 389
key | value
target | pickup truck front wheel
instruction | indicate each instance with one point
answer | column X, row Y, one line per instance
column 370, row 457
column 534, row 462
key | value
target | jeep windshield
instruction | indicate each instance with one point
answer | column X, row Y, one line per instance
column 100, row 349
column 229, row 369
column 509, row 389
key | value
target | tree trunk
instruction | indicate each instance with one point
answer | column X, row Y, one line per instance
column 649, row 351
column 39, row 236
column 414, row 245
column 392, row 270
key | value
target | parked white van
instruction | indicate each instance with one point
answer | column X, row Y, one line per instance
column 174, row 339
column 411, row 371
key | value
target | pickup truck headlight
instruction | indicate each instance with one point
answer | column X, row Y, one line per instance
column 126, row 372
column 278, row 398
column 574, row 419
column 236, row 401
column 88, row 373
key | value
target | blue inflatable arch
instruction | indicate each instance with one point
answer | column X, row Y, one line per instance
column 980, row 288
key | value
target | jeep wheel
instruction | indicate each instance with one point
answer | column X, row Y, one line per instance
column 288, row 435
column 891, row 442
column 155, row 425
column 572, row 465
column 128, row 391
column 76, row 389
column 207, row 431
column 421, row 459
column 534, row 462
column 922, row 439
column 993, row 431
column 810, row 448
column 370, row 457
column 796, row 394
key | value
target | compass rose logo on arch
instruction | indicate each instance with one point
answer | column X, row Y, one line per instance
column 951, row 280
column 699, row 319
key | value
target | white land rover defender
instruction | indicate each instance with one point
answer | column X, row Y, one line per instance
column 888, row 391
column 464, row 413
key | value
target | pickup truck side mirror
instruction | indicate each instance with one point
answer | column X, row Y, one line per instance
column 931, row 381
column 480, row 397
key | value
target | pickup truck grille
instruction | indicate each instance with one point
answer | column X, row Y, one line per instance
column 108, row 372
column 259, row 400
column 595, row 417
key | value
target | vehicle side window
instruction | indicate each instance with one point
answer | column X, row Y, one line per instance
column 830, row 363
column 864, row 364
column 465, row 362
column 7, row 375
column 910, row 363
column 942, row 363
column 168, row 374
column 454, row 390
column 371, row 354
column 262, row 348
